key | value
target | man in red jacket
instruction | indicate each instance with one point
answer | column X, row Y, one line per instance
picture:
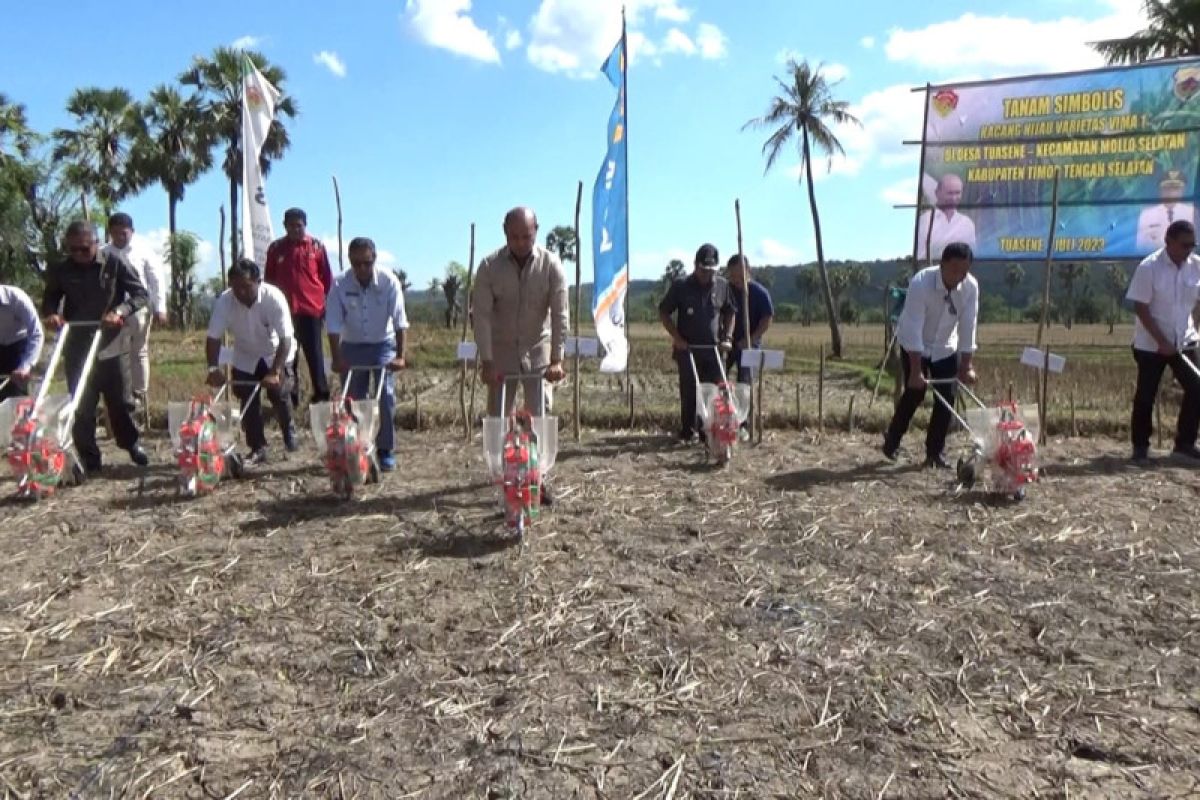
column 299, row 266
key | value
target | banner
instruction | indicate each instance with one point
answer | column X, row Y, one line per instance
column 258, row 110
column 610, row 228
column 1125, row 142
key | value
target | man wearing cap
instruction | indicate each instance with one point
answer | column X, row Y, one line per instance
column 299, row 266
column 697, row 311
column 1154, row 221
column 949, row 224
column 149, row 268
column 21, row 340
column 367, row 323
column 761, row 312
column 1164, row 289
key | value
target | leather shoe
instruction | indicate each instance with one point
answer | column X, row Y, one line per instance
column 138, row 456
column 936, row 462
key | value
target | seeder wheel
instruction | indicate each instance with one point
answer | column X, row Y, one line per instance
column 236, row 466
column 966, row 472
column 77, row 474
column 373, row 472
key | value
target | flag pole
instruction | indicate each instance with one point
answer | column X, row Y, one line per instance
column 628, row 266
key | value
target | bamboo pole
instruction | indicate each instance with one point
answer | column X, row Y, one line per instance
column 221, row 251
column 821, row 390
column 337, row 196
column 850, row 415
column 467, row 413
column 799, row 415
column 1042, row 336
column 578, row 302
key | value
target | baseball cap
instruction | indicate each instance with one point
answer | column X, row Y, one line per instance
column 707, row 257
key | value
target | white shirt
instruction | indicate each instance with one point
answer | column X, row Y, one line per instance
column 1153, row 223
column 935, row 322
column 366, row 314
column 257, row 329
column 954, row 227
column 149, row 268
column 19, row 323
column 1170, row 292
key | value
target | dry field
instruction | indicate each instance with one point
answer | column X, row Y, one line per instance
column 807, row 623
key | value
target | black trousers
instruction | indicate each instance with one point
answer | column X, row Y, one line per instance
column 710, row 372
column 910, row 401
column 10, row 359
column 108, row 381
column 308, row 335
column 252, row 421
column 1150, row 367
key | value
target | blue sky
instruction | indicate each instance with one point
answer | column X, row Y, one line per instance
column 438, row 113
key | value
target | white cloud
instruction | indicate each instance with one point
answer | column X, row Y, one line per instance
column 867, row 41
column 1004, row 44
column 384, row 258
column 206, row 252
column 835, row 72
column 772, row 252
column 711, row 41
column 330, row 61
column 901, row 192
column 512, row 40
column 447, row 24
column 678, row 42
column 573, row 37
column 246, row 42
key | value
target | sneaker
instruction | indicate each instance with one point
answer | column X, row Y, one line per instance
column 257, row 458
column 138, row 456
column 743, row 434
column 387, row 461
column 936, row 462
column 1141, row 455
column 1191, row 453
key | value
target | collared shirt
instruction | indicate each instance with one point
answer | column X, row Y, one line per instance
column 520, row 312
column 1171, row 293
column 698, row 309
column 1154, row 221
column 955, row 227
column 84, row 292
column 257, row 329
column 19, row 323
column 761, row 307
column 301, row 271
column 936, row 322
column 149, row 268
column 366, row 314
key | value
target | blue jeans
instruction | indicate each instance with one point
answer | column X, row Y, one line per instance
column 361, row 357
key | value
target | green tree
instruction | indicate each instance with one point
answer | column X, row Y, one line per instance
column 806, row 107
column 1014, row 276
column 17, row 139
column 453, row 287
column 183, row 253
column 1070, row 275
column 218, row 80
column 561, row 241
column 808, row 283
column 674, row 271
column 405, row 284
column 1116, row 282
column 1172, row 30
column 96, row 152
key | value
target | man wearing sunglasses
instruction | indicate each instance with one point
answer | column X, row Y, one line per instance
column 936, row 332
column 1164, row 291
column 98, row 289
column 367, row 323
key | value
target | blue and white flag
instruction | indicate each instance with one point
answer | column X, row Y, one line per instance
column 610, row 228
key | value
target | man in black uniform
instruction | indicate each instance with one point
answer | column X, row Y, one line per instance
column 88, row 288
column 703, row 309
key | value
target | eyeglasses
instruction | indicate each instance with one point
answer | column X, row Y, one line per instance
column 81, row 250
column 950, row 302
column 362, row 263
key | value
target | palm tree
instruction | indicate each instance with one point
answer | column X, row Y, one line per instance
column 807, row 283
column 1173, row 30
column 405, row 283
column 1117, row 282
column 183, row 249
column 218, row 80
column 96, row 153
column 16, row 137
column 674, row 271
column 1013, row 278
column 806, row 107
column 175, row 152
column 1070, row 274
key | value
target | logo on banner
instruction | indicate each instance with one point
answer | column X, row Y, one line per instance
column 1187, row 83
column 260, row 196
column 944, row 102
column 254, row 97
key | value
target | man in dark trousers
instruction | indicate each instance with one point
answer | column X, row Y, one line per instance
column 762, row 311
column 87, row 288
column 299, row 266
column 697, row 310
column 936, row 332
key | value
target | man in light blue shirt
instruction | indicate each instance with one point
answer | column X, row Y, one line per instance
column 21, row 339
column 365, row 318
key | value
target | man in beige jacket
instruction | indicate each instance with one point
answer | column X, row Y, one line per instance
column 520, row 317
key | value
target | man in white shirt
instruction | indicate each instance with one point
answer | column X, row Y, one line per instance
column 1164, row 290
column 1154, row 221
column 936, row 332
column 264, row 343
column 149, row 268
column 21, row 340
column 365, row 317
column 948, row 224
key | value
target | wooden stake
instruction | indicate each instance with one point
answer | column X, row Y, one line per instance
column 578, row 302
column 850, row 415
column 221, row 251
column 799, row 416
column 758, row 406
column 1010, row 391
column 1045, row 316
column 417, row 407
column 629, row 385
column 468, row 413
column 821, row 390
column 1074, row 424
column 1158, row 428
column 337, row 196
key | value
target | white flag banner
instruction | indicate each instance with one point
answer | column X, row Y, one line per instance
column 258, row 111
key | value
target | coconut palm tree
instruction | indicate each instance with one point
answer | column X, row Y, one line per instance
column 96, row 152
column 16, row 137
column 1173, row 30
column 1014, row 276
column 218, row 80
column 805, row 109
